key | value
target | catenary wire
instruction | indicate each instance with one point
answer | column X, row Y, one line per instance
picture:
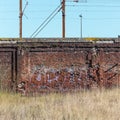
column 44, row 22
column 44, row 25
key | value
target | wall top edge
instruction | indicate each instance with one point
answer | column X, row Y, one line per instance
column 86, row 40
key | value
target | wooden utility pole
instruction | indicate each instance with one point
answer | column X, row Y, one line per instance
column 20, row 18
column 63, row 18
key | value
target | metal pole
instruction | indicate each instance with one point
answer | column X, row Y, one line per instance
column 63, row 18
column 20, row 18
column 80, row 25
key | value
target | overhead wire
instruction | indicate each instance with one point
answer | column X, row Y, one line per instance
column 44, row 25
column 23, row 11
column 46, row 21
column 94, row 5
column 54, row 13
column 25, row 6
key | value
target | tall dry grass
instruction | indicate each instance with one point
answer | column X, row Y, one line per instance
column 85, row 105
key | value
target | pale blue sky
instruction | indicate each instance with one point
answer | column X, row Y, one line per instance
column 101, row 18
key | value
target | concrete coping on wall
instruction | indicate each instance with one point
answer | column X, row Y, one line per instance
column 53, row 40
column 60, row 40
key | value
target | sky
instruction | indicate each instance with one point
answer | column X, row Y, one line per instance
column 100, row 18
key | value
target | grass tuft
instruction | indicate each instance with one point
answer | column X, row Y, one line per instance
column 87, row 105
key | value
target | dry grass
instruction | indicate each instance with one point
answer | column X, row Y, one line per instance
column 89, row 105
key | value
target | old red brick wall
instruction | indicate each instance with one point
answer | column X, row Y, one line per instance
column 71, row 69
column 59, row 65
column 5, row 70
column 51, row 60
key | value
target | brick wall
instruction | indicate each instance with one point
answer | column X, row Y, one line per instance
column 86, row 65
column 60, row 65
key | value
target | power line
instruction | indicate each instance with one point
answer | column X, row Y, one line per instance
column 108, row 19
column 44, row 25
column 25, row 6
column 93, row 5
column 46, row 21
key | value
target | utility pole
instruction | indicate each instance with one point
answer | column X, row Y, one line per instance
column 20, row 18
column 80, row 25
column 63, row 18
